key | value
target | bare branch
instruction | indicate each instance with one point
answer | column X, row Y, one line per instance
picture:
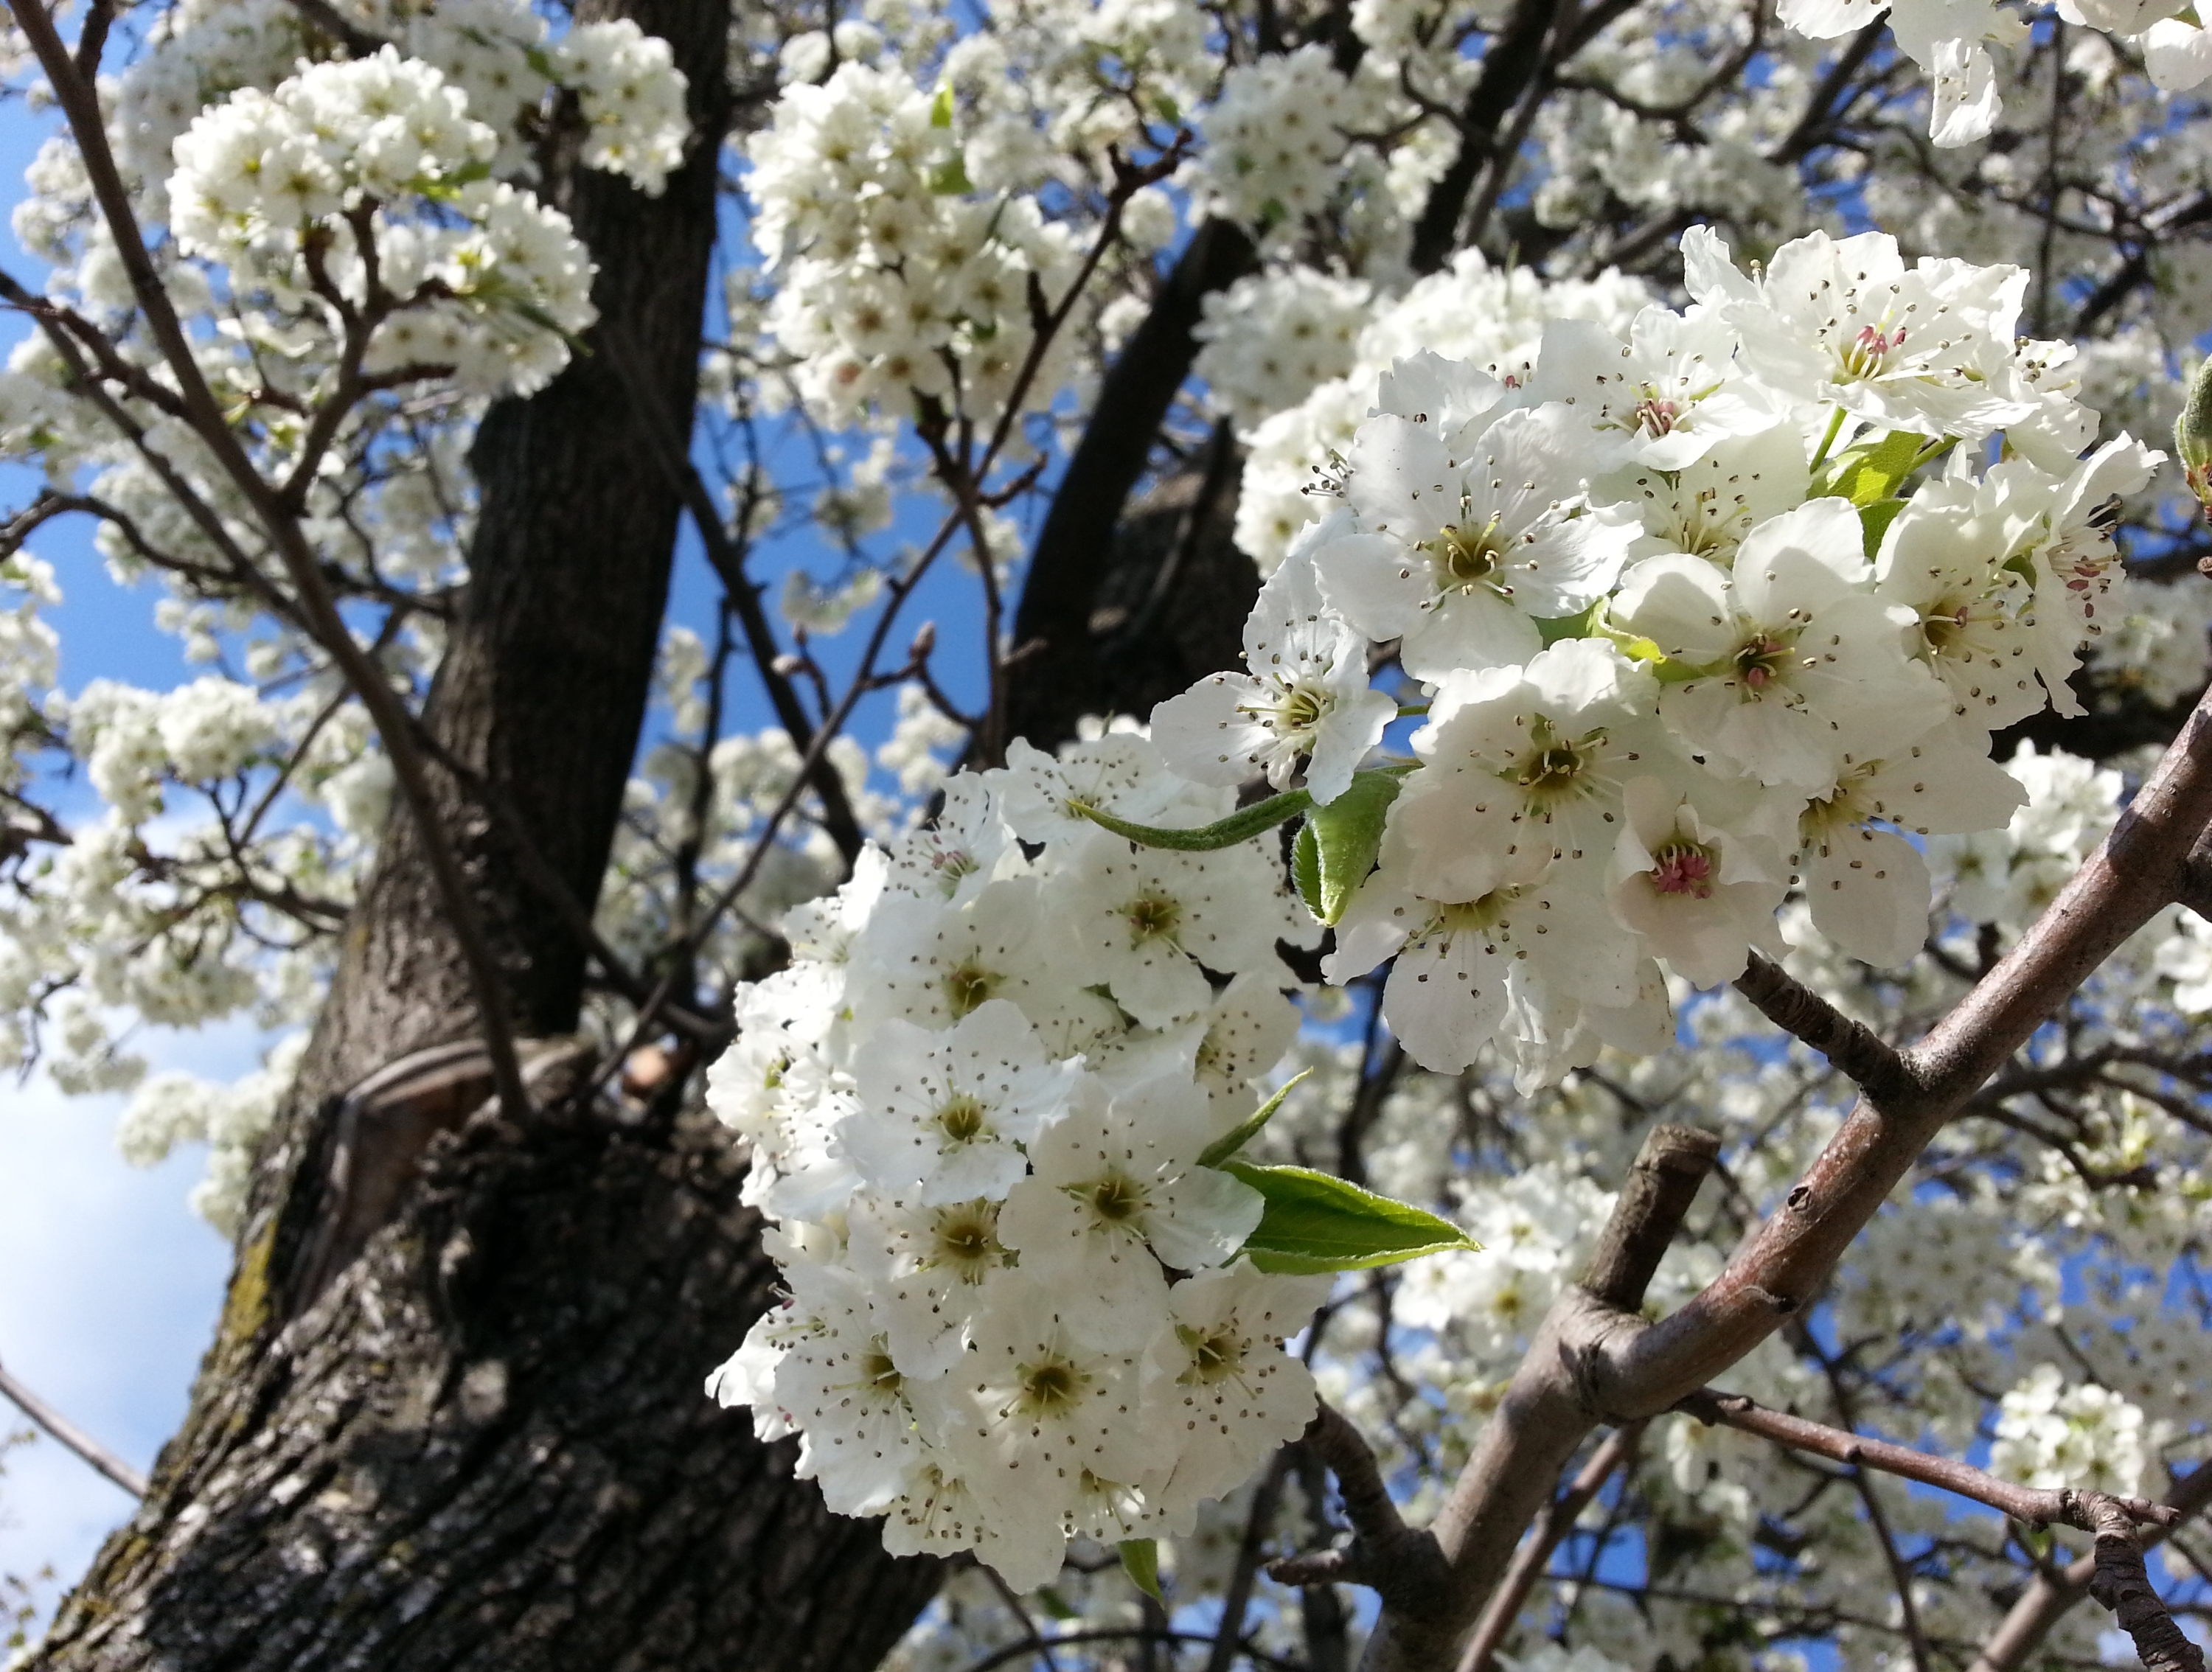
column 2036, row 1506
column 2048, row 1595
column 1871, row 1063
column 728, row 561
column 1660, row 1185
column 1534, row 1554
column 1552, row 1403
column 2120, row 1584
column 73, row 1437
column 1393, row 1558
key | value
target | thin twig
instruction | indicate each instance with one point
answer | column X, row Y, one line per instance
column 728, row 562
column 2036, row 1506
column 73, row 1437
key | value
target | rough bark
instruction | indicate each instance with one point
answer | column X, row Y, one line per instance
column 1109, row 637
column 1165, row 607
column 453, row 1416
column 484, row 1446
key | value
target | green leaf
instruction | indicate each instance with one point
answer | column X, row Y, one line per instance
column 1570, row 627
column 1875, row 520
column 1140, row 1561
column 1313, row 1222
column 1240, row 826
column 1168, row 110
column 1055, row 1604
column 1248, row 1128
column 941, row 107
column 950, row 178
column 1872, row 470
column 1337, row 848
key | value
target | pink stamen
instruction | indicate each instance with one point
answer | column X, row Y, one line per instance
column 1683, row 867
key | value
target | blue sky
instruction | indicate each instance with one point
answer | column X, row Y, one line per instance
column 109, row 1286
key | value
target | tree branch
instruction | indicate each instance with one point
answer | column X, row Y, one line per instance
column 72, row 1436
column 2036, row 1506
column 1535, row 1555
column 1782, row 1264
column 1661, row 1183
column 2118, row 1583
column 2050, row 1595
column 1385, row 1554
column 1510, row 64
column 1871, row 1063
column 1552, row 1403
column 729, row 564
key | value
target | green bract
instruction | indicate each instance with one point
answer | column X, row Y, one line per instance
column 1317, row 1223
column 1336, row 847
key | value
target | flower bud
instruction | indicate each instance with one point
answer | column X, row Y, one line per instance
column 2192, row 435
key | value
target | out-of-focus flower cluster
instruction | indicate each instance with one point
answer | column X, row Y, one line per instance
column 899, row 279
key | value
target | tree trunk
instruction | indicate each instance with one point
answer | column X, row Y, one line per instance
column 453, row 1415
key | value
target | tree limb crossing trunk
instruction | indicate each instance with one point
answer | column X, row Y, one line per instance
column 474, row 1436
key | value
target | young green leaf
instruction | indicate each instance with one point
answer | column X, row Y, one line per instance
column 1140, row 1561
column 1872, row 470
column 1240, row 826
column 1248, row 1128
column 1313, row 1222
column 941, row 107
column 1337, row 848
column 1875, row 520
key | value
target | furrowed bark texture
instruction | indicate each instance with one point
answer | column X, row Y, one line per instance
column 454, row 1414
column 484, row 1446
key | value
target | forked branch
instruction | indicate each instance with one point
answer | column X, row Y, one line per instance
column 1592, row 1362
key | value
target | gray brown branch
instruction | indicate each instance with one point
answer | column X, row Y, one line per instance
column 2035, row 1506
column 2050, row 1595
column 1654, row 1198
column 1870, row 1062
column 1552, row 1403
column 1530, row 1561
column 1395, row 1561
column 72, row 1437
column 2120, row 1584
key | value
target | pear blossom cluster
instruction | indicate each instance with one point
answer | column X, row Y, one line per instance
column 899, row 281
column 497, row 52
column 1272, row 339
column 2054, row 1431
column 1274, row 138
column 1704, row 610
column 283, row 188
column 1491, row 317
column 977, row 1102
